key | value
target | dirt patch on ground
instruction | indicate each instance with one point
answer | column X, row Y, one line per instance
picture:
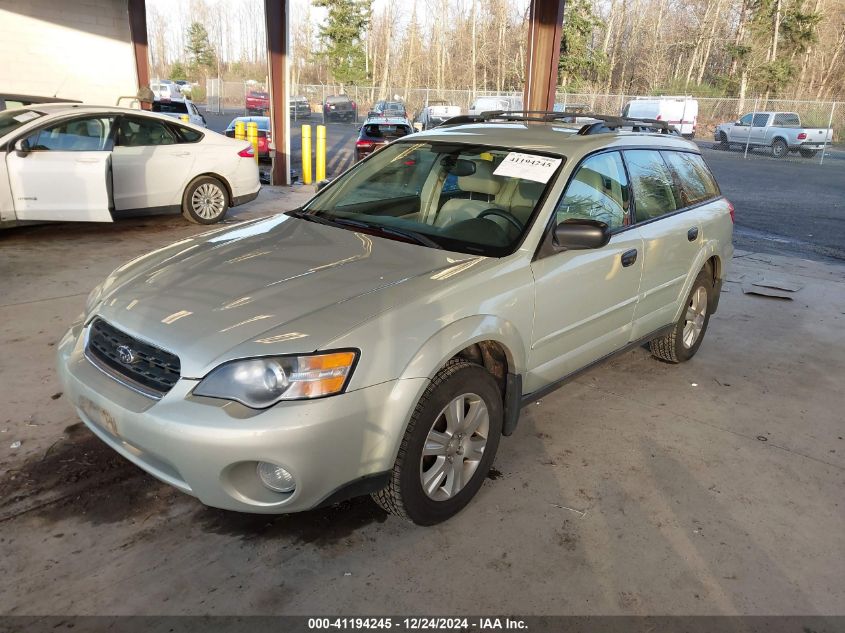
column 80, row 476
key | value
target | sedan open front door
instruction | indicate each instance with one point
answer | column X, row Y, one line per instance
column 63, row 172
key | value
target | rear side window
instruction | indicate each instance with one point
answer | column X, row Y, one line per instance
column 190, row 136
column 140, row 132
column 787, row 119
column 694, row 182
column 651, row 180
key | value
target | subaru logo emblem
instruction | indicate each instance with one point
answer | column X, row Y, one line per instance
column 126, row 354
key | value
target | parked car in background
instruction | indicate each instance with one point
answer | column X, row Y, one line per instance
column 680, row 112
column 257, row 102
column 383, row 337
column 340, row 108
column 166, row 90
column 177, row 108
column 378, row 132
column 434, row 113
column 388, row 109
column 299, row 107
column 782, row 131
column 264, row 132
column 502, row 102
column 11, row 101
column 82, row 163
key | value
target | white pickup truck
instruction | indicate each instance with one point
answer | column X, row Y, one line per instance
column 781, row 131
column 434, row 113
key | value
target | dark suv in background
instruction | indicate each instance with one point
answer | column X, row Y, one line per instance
column 378, row 132
column 388, row 108
column 339, row 108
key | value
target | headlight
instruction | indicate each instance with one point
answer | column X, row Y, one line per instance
column 261, row 382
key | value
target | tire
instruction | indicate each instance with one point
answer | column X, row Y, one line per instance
column 723, row 142
column 683, row 341
column 779, row 148
column 466, row 387
column 205, row 201
column 808, row 153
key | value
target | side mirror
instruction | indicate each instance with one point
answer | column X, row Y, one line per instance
column 578, row 235
column 321, row 185
column 22, row 147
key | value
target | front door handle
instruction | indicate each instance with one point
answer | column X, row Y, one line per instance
column 629, row 257
column 692, row 234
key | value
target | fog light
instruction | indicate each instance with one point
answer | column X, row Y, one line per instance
column 275, row 477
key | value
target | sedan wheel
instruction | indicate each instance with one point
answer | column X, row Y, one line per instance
column 205, row 201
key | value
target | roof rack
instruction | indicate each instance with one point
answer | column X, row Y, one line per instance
column 603, row 123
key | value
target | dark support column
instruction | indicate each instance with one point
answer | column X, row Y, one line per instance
column 276, row 12
column 138, row 34
column 546, row 18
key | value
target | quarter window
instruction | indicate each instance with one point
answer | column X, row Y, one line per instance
column 598, row 191
column 694, row 181
column 142, row 132
column 89, row 134
column 654, row 191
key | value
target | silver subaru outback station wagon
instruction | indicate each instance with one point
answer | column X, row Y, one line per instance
column 382, row 338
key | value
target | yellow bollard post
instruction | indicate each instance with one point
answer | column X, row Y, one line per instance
column 240, row 130
column 252, row 137
column 306, row 154
column 321, row 153
column 185, row 118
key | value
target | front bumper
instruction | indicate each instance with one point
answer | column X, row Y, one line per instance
column 209, row 448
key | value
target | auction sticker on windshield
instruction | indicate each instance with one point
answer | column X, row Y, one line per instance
column 528, row 167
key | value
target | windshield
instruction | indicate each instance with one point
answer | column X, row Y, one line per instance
column 11, row 120
column 459, row 197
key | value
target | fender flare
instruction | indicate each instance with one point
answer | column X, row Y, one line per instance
column 709, row 250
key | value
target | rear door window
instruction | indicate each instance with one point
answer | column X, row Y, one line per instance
column 141, row 132
column 694, row 182
column 652, row 184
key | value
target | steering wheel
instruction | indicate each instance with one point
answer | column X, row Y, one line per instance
column 501, row 214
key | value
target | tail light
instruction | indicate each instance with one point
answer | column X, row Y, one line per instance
column 247, row 152
column 364, row 144
column 731, row 210
column 802, row 136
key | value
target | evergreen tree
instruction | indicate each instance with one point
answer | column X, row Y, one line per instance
column 579, row 59
column 178, row 71
column 201, row 55
column 341, row 36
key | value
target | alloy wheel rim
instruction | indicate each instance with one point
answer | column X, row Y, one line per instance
column 208, row 201
column 454, row 447
column 694, row 319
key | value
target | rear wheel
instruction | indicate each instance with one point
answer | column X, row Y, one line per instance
column 685, row 338
column 205, row 201
column 448, row 447
column 779, row 148
column 809, row 153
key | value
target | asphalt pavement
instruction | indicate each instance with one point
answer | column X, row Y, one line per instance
column 790, row 206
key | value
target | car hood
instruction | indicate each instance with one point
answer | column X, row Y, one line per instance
column 281, row 285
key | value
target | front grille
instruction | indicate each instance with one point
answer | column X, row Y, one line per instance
column 143, row 366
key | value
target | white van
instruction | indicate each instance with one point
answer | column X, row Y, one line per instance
column 498, row 102
column 682, row 112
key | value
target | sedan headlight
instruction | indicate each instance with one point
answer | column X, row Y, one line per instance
column 262, row 382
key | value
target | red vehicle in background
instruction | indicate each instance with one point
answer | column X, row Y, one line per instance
column 264, row 137
column 257, row 102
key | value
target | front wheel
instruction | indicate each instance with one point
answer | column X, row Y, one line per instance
column 205, row 201
column 448, row 446
column 779, row 148
column 685, row 338
column 723, row 142
column 809, row 153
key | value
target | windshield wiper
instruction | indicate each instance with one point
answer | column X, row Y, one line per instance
column 414, row 236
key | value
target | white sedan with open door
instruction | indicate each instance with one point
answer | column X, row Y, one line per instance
column 72, row 162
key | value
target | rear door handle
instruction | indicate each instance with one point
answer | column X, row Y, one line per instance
column 87, row 160
column 180, row 153
column 629, row 257
column 692, row 234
